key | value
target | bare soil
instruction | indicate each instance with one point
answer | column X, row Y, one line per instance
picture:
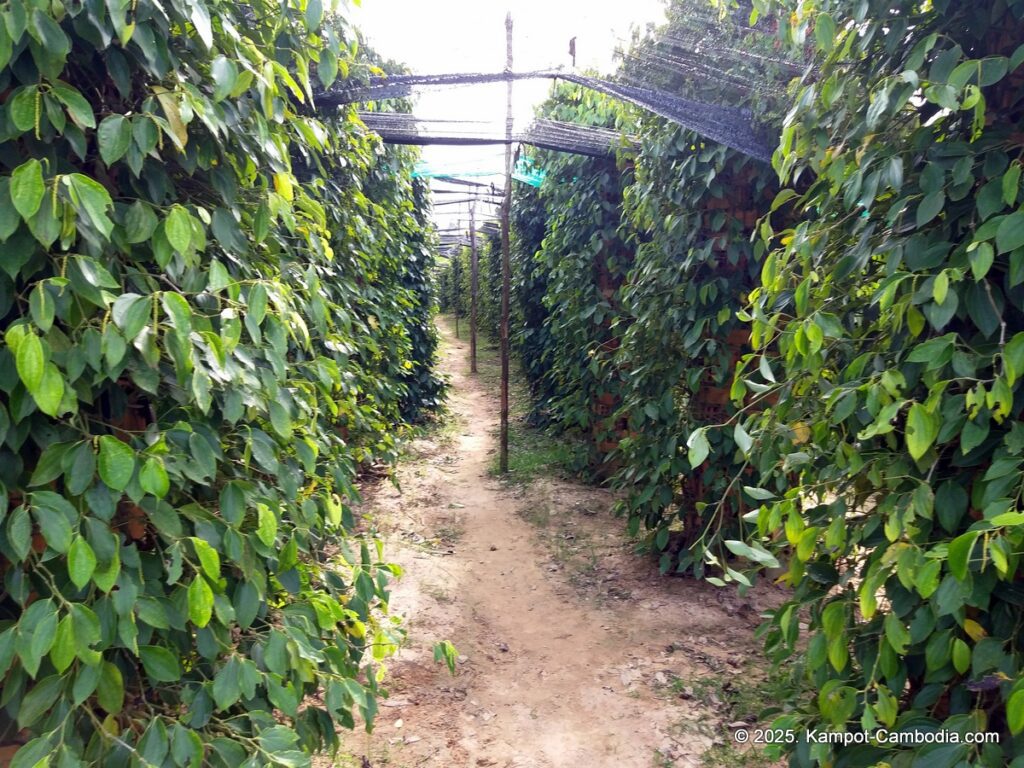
column 574, row 652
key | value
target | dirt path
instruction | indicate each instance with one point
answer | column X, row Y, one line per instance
column 573, row 651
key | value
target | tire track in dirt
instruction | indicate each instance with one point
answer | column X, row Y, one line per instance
column 551, row 674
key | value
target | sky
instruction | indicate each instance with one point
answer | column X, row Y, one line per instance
column 448, row 36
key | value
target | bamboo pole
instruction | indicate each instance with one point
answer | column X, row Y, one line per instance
column 506, row 270
column 474, row 286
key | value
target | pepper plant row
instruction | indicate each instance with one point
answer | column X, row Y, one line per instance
column 829, row 389
column 215, row 310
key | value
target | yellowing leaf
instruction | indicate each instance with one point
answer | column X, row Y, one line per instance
column 941, row 287
column 283, row 186
column 974, row 630
column 867, row 599
column 169, row 104
column 266, row 530
column 208, row 557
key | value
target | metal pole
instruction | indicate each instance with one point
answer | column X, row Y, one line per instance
column 506, row 269
column 474, row 286
column 457, row 280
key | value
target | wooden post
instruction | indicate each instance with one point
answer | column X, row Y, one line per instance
column 474, row 286
column 506, row 270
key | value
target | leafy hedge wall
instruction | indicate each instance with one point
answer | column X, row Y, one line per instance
column 489, row 266
column 870, row 448
column 530, row 335
column 205, row 335
column 454, row 283
column 891, row 314
column 582, row 260
column 643, row 262
column 692, row 210
column 695, row 204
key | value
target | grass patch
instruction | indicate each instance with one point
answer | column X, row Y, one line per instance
column 729, row 755
column 442, row 428
column 752, row 695
column 439, row 429
column 537, row 515
column 532, row 452
column 743, row 696
column 576, row 555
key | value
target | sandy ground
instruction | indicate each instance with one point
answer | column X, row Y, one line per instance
column 573, row 650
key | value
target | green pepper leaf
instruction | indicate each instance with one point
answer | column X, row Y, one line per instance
column 116, row 462
column 200, row 601
column 225, row 74
column 178, row 228
column 27, row 188
column 81, row 562
column 110, row 688
column 160, row 664
column 922, row 429
column 153, row 477
column 30, row 361
column 114, row 136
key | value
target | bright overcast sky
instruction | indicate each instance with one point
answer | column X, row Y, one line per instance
column 446, row 36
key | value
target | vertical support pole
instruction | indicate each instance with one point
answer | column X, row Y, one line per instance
column 474, row 286
column 506, row 269
column 457, row 280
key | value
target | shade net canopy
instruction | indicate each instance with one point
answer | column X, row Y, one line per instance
column 731, row 126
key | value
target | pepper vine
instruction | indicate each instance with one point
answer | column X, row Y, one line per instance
column 205, row 337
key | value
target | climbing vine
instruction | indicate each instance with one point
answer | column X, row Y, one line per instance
column 204, row 338
column 489, row 255
column 530, row 334
column 695, row 204
column 888, row 327
column 583, row 261
column 869, row 444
